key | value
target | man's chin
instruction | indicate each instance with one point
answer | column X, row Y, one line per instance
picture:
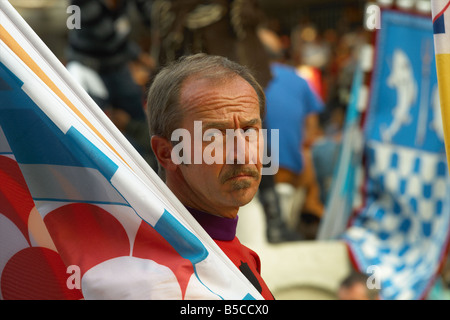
column 244, row 195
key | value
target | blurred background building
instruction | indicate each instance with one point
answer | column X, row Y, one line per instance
column 48, row 17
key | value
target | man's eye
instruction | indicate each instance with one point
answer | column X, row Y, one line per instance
column 251, row 130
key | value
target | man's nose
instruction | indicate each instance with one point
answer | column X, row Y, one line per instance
column 241, row 147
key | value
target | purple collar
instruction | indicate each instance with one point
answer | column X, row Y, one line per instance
column 218, row 228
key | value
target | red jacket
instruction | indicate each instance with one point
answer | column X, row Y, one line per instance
column 223, row 231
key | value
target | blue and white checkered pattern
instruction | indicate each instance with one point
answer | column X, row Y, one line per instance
column 405, row 220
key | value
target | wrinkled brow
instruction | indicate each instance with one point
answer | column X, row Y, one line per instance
column 222, row 125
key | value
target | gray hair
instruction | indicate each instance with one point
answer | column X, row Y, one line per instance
column 163, row 106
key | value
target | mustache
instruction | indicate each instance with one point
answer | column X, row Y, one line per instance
column 236, row 170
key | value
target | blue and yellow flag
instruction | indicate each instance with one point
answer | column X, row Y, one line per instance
column 441, row 30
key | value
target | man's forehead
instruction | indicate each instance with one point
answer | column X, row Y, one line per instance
column 199, row 86
column 225, row 124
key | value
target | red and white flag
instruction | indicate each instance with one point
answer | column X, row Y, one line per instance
column 82, row 215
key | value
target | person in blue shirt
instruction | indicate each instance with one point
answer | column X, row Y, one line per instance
column 292, row 108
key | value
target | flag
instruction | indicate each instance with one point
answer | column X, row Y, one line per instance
column 400, row 234
column 441, row 30
column 343, row 195
column 82, row 215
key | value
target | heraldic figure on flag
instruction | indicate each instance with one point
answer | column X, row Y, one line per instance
column 398, row 228
column 83, row 216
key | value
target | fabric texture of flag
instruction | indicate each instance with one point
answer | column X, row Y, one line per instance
column 441, row 30
column 76, row 197
column 400, row 234
column 342, row 200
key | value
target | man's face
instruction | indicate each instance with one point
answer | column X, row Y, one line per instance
column 220, row 105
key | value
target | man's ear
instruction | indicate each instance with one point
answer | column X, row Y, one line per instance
column 162, row 148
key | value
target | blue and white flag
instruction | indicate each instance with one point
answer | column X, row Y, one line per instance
column 343, row 197
column 76, row 200
column 401, row 233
